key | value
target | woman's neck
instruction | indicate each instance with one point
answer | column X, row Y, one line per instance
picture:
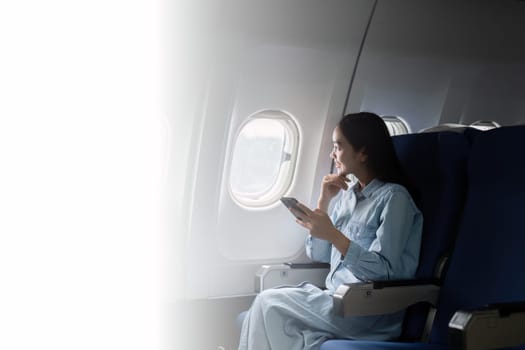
column 365, row 178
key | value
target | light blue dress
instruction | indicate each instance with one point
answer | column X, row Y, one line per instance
column 384, row 226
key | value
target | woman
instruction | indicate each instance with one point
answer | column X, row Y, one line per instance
column 372, row 233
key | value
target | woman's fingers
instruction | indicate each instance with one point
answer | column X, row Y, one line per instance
column 340, row 181
column 304, row 208
column 303, row 224
column 316, row 221
column 302, row 212
column 299, row 213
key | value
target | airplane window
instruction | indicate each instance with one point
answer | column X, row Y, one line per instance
column 396, row 125
column 263, row 158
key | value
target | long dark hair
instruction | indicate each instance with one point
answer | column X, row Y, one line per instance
column 368, row 132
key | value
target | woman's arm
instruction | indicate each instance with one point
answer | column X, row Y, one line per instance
column 319, row 246
column 395, row 251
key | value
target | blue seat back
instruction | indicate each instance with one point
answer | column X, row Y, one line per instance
column 436, row 165
column 487, row 264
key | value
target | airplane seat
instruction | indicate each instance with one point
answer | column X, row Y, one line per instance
column 482, row 125
column 343, row 344
column 454, row 127
column 486, row 267
column 480, row 304
column 436, row 165
column 485, row 124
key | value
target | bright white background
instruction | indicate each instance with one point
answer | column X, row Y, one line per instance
column 82, row 150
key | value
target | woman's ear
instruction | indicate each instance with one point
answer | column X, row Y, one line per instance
column 362, row 155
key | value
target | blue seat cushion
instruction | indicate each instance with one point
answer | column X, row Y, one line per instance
column 340, row 344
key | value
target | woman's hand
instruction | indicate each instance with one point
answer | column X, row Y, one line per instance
column 320, row 226
column 316, row 221
column 330, row 187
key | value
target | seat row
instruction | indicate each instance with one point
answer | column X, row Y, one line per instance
column 471, row 280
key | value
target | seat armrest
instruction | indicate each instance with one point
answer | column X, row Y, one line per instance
column 270, row 276
column 491, row 327
column 383, row 297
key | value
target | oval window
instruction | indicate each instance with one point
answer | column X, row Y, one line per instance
column 263, row 159
column 396, row 125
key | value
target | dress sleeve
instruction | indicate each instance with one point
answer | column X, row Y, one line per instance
column 394, row 253
column 318, row 249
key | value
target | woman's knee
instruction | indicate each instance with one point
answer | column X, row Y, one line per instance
column 274, row 299
column 275, row 294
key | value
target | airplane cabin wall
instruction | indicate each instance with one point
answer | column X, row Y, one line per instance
column 434, row 62
column 428, row 62
column 293, row 56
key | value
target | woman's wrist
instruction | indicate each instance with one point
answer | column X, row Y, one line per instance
column 340, row 242
column 323, row 203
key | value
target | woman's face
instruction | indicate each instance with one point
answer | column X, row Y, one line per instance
column 346, row 159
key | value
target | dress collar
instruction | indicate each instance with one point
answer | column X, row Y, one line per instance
column 369, row 189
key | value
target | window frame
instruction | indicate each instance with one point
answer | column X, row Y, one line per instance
column 287, row 167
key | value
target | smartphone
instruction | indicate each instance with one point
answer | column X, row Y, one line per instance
column 290, row 203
